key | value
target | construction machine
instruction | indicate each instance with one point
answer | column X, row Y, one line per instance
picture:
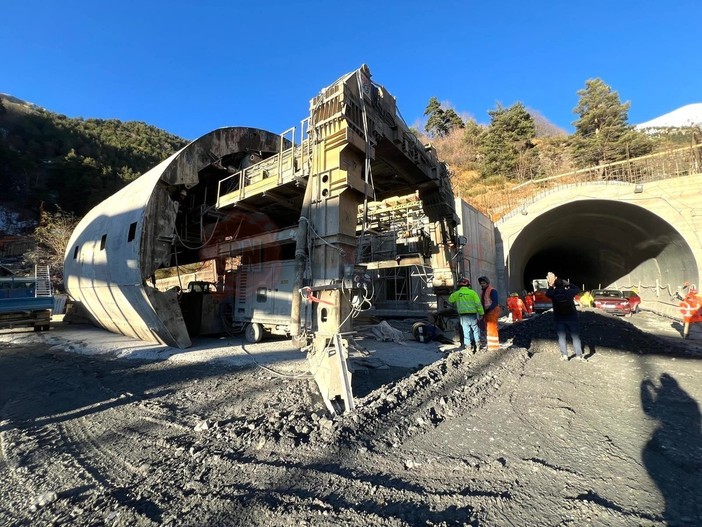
column 297, row 225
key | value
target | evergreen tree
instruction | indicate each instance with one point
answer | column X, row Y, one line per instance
column 441, row 122
column 453, row 120
column 554, row 155
column 602, row 133
column 435, row 123
column 507, row 146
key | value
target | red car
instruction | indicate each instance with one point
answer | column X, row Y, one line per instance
column 541, row 301
column 634, row 300
column 616, row 302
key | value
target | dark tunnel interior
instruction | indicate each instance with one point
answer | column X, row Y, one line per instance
column 601, row 243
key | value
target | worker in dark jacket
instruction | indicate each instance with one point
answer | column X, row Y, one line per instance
column 470, row 310
column 565, row 315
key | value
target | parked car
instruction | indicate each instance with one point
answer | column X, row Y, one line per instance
column 541, row 301
column 612, row 301
column 634, row 300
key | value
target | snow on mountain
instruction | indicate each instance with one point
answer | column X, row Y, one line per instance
column 689, row 115
column 12, row 98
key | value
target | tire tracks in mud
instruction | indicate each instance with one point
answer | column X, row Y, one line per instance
column 442, row 390
column 237, row 467
column 143, row 463
column 108, row 468
column 66, row 460
column 384, row 420
column 23, row 445
column 133, row 453
column 14, row 488
column 116, row 458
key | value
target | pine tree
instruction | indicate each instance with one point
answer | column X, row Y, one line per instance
column 441, row 122
column 507, row 146
column 472, row 138
column 602, row 134
column 453, row 120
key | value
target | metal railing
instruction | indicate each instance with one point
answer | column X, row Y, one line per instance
column 35, row 286
column 653, row 167
column 291, row 160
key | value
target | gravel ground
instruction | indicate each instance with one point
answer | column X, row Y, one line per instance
column 225, row 436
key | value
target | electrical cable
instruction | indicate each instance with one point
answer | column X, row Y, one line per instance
column 201, row 228
column 368, row 176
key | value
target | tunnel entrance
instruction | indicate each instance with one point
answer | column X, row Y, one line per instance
column 600, row 243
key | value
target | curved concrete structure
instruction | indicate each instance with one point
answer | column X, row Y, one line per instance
column 116, row 248
column 609, row 234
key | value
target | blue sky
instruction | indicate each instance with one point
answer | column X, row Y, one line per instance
column 191, row 67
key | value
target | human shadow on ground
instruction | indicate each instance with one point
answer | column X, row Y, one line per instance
column 673, row 455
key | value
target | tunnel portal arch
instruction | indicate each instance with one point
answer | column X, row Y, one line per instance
column 608, row 235
column 597, row 243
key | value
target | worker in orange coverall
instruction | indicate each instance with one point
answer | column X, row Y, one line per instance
column 529, row 302
column 691, row 310
column 516, row 306
column 491, row 306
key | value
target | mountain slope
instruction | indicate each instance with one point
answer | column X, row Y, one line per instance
column 71, row 163
column 688, row 115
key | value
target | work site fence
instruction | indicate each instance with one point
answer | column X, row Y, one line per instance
column 680, row 162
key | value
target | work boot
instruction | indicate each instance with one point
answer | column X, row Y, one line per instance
column 474, row 349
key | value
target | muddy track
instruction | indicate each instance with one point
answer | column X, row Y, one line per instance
column 514, row 437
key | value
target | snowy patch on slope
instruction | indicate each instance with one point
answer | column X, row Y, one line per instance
column 689, row 115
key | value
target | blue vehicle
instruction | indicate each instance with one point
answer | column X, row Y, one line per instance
column 26, row 300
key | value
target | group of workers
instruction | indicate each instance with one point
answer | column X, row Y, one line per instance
column 518, row 308
column 482, row 311
column 479, row 313
column 475, row 310
column 521, row 308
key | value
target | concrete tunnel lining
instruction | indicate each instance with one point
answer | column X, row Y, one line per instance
column 598, row 243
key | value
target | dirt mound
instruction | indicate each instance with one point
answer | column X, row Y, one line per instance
column 513, row 437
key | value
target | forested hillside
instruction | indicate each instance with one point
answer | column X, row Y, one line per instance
column 50, row 160
column 519, row 145
column 56, row 162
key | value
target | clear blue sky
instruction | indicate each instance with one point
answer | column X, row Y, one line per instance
column 191, row 67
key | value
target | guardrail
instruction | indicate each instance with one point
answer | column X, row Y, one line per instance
column 287, row 162
column 675, row 163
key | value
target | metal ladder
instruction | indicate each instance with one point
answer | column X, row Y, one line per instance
column 43, row 278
